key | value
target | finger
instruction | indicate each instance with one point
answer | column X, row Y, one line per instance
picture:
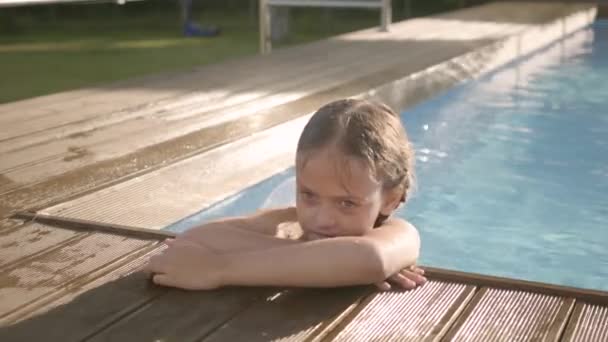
column 417, row 278
column 383, row 286
column 416, row 269
column 146, row 268
column 403, row 282
column 412, row 275
column 169, row 242
column 156, row 264
column 164, row 280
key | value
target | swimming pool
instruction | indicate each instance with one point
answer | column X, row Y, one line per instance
column 512, row 170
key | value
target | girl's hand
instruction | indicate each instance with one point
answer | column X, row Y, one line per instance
column 407, row 279
column 186, row 265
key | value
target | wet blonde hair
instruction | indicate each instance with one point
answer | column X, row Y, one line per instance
column 367, row 130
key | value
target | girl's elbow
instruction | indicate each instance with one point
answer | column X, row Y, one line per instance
column 384, row 260
column 410, row 249
column 377, row 265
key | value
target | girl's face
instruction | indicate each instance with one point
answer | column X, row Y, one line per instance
column 338, row 195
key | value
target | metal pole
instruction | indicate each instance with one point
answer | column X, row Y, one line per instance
column 386, row 15
column 265, row 41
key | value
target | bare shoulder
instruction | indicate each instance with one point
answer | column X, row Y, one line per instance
column 395, row 227
column 399, row 223
column 396, row 239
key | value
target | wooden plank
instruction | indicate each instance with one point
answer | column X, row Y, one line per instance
column 156, row 200
column 215, row 89
column 85, row 309
column 49, row 272
column 183, row 315
column 423, row 314
column 558, row 324
column 592, row 296
column 588, row 323
column 88, row 226
column 294, row 315
column 8, row 224
column 509, row 315
column 29, row 240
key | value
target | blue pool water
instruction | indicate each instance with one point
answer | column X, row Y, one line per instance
column 512, row 170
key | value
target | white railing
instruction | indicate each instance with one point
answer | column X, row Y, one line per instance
column 265, row 18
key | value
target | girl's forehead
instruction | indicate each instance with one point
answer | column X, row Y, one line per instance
column 330, row 171
column 329, row 153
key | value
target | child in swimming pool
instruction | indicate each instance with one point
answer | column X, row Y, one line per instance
column 354, row 166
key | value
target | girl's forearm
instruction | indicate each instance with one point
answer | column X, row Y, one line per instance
column 222, row 238
column 322, row 263
column 329, row 262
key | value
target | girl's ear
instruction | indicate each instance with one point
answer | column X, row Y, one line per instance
column 391, row 200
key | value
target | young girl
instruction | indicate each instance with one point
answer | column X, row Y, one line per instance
column 354, row 166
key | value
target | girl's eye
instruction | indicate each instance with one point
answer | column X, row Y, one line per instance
column 348, row 204
column 307, row 195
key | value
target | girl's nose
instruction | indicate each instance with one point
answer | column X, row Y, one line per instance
column 325, row 221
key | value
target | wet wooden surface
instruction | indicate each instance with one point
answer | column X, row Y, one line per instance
column 420, row 315
column 497, row 314
column 34, row 278
column 588, row 323
column 90, row 285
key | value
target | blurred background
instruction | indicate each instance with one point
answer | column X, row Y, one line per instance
column 54, row 47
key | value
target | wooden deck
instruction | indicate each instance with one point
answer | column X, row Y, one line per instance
column 83, row 284
column 82, row 169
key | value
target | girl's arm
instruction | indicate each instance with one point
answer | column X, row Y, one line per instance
column 329, row 262
column 338, row 261
column 242, row 234
column 229, row 239
column 263, row 221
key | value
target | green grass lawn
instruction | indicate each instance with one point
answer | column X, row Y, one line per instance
column 43, row 57
column 49, row 49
